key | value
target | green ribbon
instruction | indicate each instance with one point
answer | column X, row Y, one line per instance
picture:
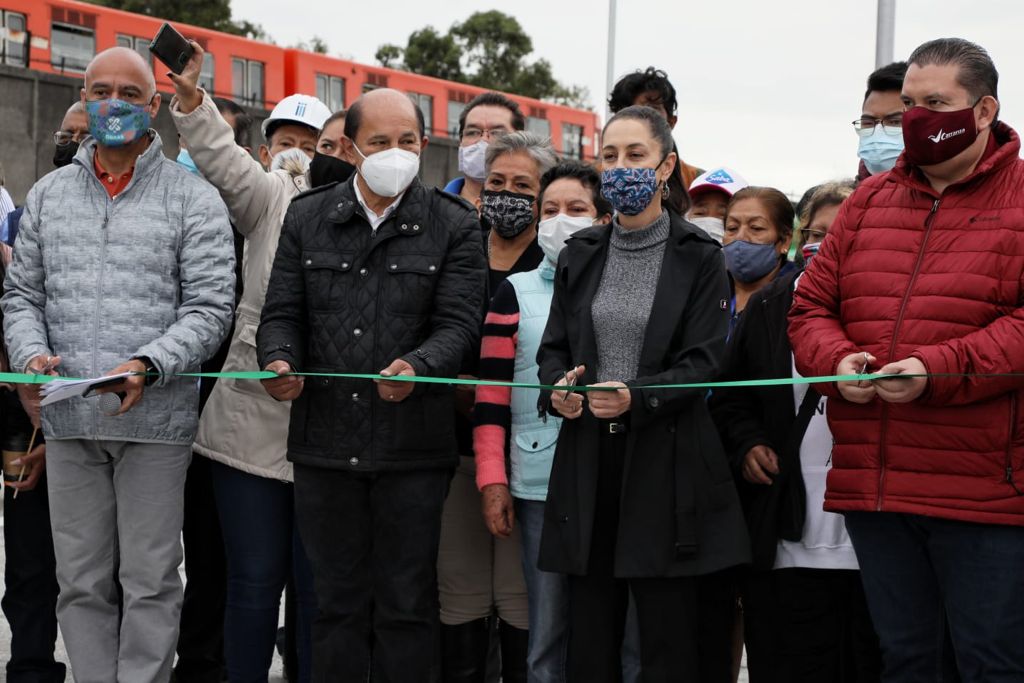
column 20, row 378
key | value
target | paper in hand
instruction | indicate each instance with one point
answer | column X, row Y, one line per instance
column 62, row 389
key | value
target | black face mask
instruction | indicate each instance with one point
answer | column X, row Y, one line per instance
column 63, row 155
column 325, row 169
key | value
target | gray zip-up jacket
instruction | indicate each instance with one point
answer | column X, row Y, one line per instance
column 98, row 281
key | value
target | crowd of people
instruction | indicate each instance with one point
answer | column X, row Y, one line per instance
column 591, row 511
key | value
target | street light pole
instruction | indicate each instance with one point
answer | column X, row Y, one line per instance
column 885, row 36
column 610, row 79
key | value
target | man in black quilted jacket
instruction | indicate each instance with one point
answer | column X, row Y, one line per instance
column 384, row 276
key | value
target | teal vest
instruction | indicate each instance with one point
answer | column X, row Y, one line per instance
column 532, row 439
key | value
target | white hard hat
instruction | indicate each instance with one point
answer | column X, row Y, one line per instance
column 304, row 109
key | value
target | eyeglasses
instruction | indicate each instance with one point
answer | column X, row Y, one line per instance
column 474, row 134
column 808, row 235
column 63, row 137
column 891, row 125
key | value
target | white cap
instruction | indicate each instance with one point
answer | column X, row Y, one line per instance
column 304, row 109
column 722, row 179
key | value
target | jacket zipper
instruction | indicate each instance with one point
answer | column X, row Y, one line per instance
column 892, row 347
column 107, row 211
column 1009, row 445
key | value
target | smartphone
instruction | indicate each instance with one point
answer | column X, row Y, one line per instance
column 171, row 48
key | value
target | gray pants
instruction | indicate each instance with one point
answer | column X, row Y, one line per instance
column 116, row 508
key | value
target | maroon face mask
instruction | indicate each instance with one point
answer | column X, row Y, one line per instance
column 931, row 137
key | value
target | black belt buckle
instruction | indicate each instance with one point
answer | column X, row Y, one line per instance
column 617, row 428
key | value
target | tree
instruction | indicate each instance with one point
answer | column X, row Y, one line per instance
column 389, row 56
column 212, row 14
column 495, row 48
column 431, row 54
column 490, row 50
column 316, row 44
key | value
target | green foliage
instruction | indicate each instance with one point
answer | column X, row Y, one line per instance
column 389, row 56
column 316, row 44
column 432, row 54
column 490, row 50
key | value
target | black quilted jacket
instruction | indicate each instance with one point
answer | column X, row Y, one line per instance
column 342, row 299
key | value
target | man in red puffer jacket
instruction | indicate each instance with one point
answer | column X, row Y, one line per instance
column 922, row 274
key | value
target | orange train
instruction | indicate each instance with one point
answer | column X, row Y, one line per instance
column 61, row 36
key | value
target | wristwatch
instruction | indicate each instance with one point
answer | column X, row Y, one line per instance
column 151, row 369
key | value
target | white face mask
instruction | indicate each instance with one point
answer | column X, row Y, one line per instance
column 293, row 154
column 714, row 227
column 388, row 173
column 472, row 160
column 553, row 232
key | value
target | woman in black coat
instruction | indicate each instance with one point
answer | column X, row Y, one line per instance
column 641, row 497
column 805, row 616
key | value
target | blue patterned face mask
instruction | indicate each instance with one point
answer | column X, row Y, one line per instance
column 630, row 190
column 116, row 123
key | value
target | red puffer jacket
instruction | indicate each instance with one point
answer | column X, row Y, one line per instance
column 907, row 272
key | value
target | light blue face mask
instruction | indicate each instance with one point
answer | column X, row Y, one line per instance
column 880, row 150
column 185, row 159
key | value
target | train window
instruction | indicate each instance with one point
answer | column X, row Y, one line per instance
column 331, row 91
column 14, row 46
column 71, row 47
column 572, row 140
column 454, row 112
column 247, row 81
column 426, row 105
column 539, row 126
column 140, row 45
column 206, row 74
column 256, row 82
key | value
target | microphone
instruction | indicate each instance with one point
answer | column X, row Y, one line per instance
column 110, row 403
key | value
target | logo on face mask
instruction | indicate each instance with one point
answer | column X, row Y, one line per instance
column 940, row 136
column 116, row 123
column 720, row 177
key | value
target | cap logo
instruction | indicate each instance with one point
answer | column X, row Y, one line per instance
column 720, row 177
column 300, row 109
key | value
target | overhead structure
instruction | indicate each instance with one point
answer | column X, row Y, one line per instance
column 885, row 34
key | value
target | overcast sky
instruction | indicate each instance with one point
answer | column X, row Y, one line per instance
column 768, row 88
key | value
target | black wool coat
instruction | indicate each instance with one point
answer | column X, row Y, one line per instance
column 679, row 512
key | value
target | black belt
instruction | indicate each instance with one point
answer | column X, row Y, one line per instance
column 614, row 427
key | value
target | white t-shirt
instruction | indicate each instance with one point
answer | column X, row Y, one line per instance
column 825, row 543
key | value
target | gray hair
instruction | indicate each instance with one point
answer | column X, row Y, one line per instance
column 539, row 148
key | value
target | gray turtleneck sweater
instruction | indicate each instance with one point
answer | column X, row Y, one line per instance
column 625, row 296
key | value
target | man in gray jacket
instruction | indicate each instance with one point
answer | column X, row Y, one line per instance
column 124, row 263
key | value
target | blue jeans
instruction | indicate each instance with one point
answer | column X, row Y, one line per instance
column 547, row 595
column 920, row 572
column 263, row 549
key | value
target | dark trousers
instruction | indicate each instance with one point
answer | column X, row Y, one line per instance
column 372, row 540
column 201, row 641
column 685, row 623
column 30, row 581
column 920, row 572
column 809, row 626
column 263, row 551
